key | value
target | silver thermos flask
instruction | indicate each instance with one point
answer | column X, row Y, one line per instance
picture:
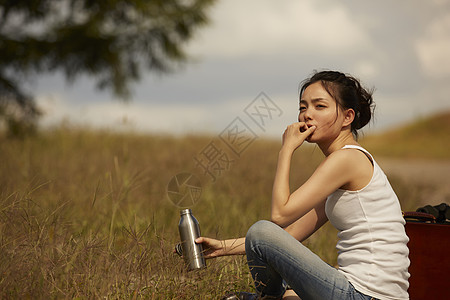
column 189, row 231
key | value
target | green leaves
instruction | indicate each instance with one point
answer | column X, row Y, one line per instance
column 113, row 41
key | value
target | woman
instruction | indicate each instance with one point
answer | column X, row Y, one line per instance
column 348, row 188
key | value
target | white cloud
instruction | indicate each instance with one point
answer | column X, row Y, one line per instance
column 263, row 27
column 162, row 118
column 270, row 46
column 123, row 116
column 433, row 49
column 440, row 2
column 366, row 69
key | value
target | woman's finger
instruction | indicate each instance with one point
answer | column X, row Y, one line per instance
column 311, row 129
column 303, row 127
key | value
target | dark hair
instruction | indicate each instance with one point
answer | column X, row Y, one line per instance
column 348, row 93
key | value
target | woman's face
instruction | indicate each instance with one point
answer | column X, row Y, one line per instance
column 318, row 107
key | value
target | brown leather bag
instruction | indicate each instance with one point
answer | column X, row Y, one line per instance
column 429, row 253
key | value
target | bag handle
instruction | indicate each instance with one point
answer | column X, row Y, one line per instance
column 414, row 216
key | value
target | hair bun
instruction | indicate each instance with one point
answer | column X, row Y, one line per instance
column 348, row 93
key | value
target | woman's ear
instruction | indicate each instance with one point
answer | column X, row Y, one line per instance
column 349, row 116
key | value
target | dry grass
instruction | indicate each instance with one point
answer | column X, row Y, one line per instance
column 85, row 214
column 427, row 138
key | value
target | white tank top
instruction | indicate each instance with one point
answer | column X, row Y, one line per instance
column 372, row 251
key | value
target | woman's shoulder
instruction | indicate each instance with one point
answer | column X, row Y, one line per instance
column 357, row 165
column 349, row 160
column 344, row 159
column 349, row 153
column 352, row 153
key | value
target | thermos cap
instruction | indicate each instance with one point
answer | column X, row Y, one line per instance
column 185, row 211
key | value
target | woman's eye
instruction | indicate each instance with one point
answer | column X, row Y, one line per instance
column 302, row 108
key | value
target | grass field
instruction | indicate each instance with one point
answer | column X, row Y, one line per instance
column 85, row 214
column 426, row 138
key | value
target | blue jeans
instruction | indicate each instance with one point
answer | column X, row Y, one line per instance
column 275, row 256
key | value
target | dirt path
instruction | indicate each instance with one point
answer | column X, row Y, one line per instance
column 423, row 172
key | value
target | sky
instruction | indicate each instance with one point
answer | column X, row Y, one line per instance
column 260, row 50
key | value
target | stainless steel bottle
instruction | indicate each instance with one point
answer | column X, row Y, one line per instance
column 189, row 231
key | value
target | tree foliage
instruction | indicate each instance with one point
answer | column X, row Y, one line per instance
column 109, row 40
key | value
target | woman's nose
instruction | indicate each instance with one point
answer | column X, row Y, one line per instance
column 306, row 115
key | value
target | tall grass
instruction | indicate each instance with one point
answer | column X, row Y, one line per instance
column 427, row 137
column 85, row 214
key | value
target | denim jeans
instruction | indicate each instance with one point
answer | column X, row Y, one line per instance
column 274, row 257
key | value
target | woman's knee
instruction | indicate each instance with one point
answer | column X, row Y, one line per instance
column 261, row 230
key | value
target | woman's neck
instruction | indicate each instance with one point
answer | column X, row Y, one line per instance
column 345, row 138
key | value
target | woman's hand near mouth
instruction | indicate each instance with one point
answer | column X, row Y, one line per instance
column 305, row 127
column 295, row 134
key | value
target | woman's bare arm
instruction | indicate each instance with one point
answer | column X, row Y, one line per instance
column 300, row 230
column 308, row 224
column 337, row 170
column 215, row 248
